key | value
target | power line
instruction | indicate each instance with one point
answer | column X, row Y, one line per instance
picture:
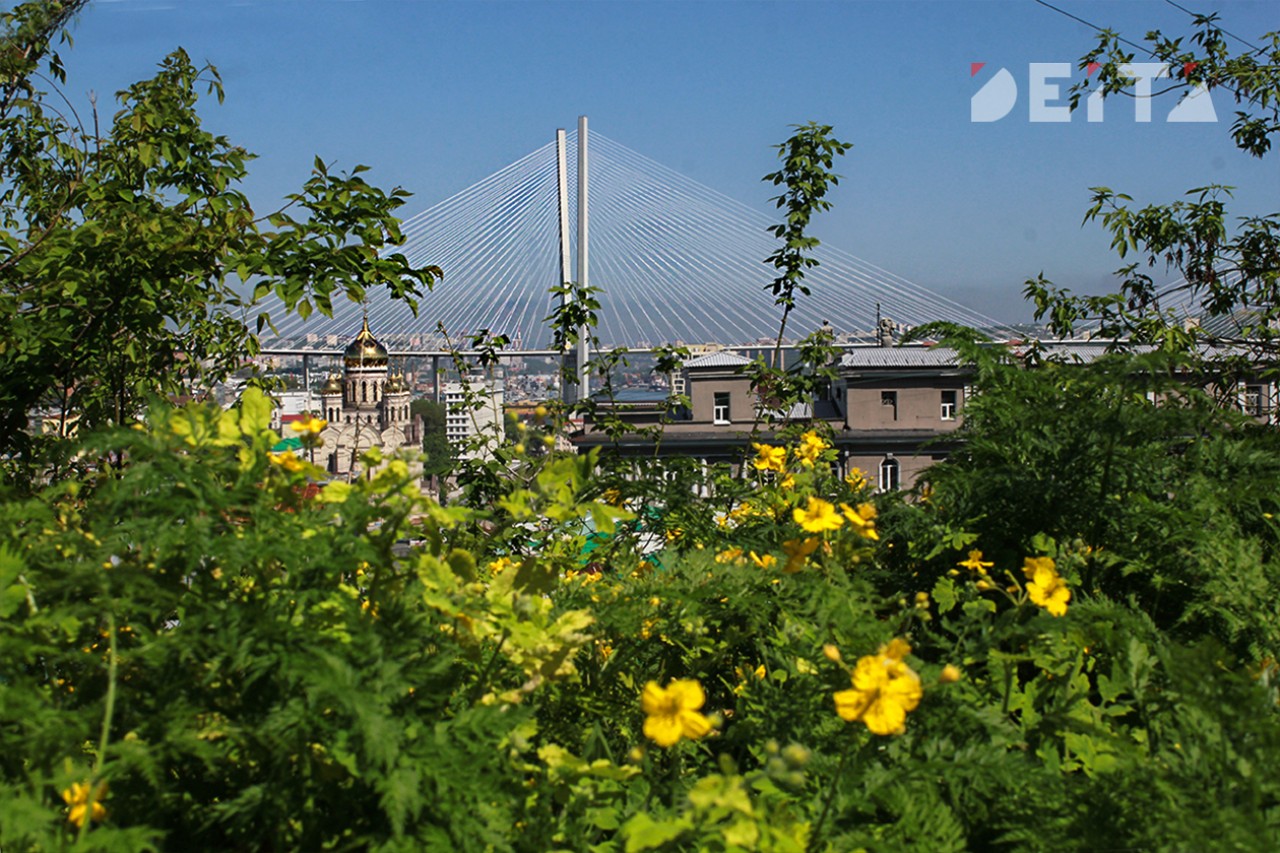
column 1197, row 16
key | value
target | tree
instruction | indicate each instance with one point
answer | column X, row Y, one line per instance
column 1230, row 272
column 435, row 443
column 124, row 250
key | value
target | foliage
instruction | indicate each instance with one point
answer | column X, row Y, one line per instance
column 241, row 659
column 123, row 250
column 437, row 454
column 1231, row 271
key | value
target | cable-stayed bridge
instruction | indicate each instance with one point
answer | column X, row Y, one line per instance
column 676, row 262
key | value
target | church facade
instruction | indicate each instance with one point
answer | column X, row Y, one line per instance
column 366, row 407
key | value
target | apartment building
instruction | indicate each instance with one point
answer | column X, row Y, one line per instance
column 474, row 410
column 890, row 411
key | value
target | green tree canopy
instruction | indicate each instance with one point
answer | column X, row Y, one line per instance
column 126, row 243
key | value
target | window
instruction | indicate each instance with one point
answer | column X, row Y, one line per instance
column 1255, row 400
column 948, row 405
column 890, row 398
column 720, row 412
column 889, row 475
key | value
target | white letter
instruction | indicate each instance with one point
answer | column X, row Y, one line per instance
column 1041, row 91
column 1093, row 106
column 994, row 100
column 1142, row 73
column 1195, row 105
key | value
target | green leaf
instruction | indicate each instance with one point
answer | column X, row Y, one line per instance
column 944, row 594
column 255, row 412
column 644, row 833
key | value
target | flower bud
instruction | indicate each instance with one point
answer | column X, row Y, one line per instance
column 796, row 755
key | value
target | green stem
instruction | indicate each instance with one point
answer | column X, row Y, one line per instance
column 677, row 765
column 1008, row 686
column 483, row 680
column 816, row 837
column 105, row 737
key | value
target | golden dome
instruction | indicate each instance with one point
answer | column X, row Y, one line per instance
column 333, row 386
column 365, row 351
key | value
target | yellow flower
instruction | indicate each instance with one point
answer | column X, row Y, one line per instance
column 770, row 458
column 672, row 712
column 612, row 496
column 810, row 448
column 819, row 516
column 312, row 425
column 975, row 563
column 862, row 519
column 1047, row 589
column 287, row 461
column 768, row 561
column 502, row 564
column 856, row 479
column 787, row 483
column 797, row 550
column 950, row 674
column 78, row 797
column 729, row 555
column 831, row 652
column 1031, row 565
column 884, row 690
column 895, row 649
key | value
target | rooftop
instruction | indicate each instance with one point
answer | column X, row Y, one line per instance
column 718, row 359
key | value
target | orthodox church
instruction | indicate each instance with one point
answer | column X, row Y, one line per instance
column 368, row 406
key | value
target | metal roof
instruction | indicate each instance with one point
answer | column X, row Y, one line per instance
column 900, row 357
column 718, row 359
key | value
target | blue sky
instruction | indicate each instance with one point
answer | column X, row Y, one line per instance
column 435, row 96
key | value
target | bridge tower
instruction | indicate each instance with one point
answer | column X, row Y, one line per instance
column 574, row 372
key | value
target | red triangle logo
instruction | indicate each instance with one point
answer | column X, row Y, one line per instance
column 975, row 67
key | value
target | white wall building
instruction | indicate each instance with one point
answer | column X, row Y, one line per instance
column 475, row 409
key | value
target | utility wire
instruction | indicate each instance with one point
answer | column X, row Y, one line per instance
column 1245, row 42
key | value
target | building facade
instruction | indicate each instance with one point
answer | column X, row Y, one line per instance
column 474, row 411
column 890, row 413
column 366, row 407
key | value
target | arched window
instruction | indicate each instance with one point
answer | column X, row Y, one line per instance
column 364, row 392
column 889, row 474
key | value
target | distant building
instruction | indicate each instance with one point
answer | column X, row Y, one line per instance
column 890, row 412
column 474, row 409
column 366, row 407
